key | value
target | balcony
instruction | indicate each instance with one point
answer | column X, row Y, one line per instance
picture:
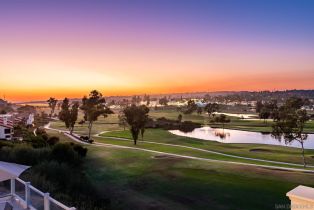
column 22, row 195
column 16, row 194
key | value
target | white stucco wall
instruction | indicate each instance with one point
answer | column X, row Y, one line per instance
column 302, row 197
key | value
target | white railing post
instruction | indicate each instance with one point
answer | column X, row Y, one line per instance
column 47, row 201
column 72, row 208
column 12, row 186
column 301, row 197
column 27, row 194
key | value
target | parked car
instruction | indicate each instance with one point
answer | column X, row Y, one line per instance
column 86, row 139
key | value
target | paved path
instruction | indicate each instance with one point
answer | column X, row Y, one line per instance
column 97, row 144
column 73, row 137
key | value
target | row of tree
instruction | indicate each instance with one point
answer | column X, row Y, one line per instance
column 94, row 106
column 289, row 118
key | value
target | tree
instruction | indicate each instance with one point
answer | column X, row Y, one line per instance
column 136, row 117
column 264, row 114
column 136, row 99
column 73, row 116
column 259, row 106
column 147, row 99
column 289, row 124
column 211, row 108
column 199, row 110
column 142, row 132
column 68, row 114
column 295, row 102
column 267, row 109
column 221, row 119
column 65, row 112
column 122, row 120
column 94, row 106
column 40, row 119
column 52, row 103
column 163, row 101
column 180, row 118
column 191, row 107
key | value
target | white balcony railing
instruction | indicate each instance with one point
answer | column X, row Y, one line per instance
column 29, row 197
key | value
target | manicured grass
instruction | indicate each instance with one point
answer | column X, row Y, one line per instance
column 61, row 136
column 257, row 125
column 173, row 115
column 109, row 123
column 267, row 152
column 236, row 123
column 135, row 180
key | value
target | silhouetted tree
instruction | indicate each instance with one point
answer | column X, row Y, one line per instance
column 68, row 114
column 163, row 101
column 211, row 108
column 94, row 106
column 199, row 110
column 180, row 118
column 122, row 120
column 259, row 106
column 147, row 99
column 52, row 103
column 264, row 114
column 136, row 99
column 221, row 119
column 191, row 107
column 136, row 117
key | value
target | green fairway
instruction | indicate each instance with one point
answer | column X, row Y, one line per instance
column 236, row 122
column 111, row 122
column 267, row 152
column 256, row 125
column 135, row 180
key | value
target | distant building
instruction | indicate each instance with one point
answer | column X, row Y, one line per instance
column 6, row 127
column 30, row 120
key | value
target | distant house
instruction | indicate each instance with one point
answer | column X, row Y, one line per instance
column 6, row 127
column 30, row 120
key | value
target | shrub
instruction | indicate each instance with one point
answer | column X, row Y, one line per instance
column 24, row 154
column 65, row 153
column 53, row 140
column 80, row 150
column 5, row 143
column 38, row 141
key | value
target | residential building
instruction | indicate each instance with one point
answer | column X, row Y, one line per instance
column 6, row 127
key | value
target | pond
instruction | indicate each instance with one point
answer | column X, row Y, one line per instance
column 237, row 136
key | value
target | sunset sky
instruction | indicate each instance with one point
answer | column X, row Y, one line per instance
column 69, row 47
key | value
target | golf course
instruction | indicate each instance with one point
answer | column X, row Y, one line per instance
column 166, row 171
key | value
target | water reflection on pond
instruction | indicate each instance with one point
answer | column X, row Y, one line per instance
column 236, row 136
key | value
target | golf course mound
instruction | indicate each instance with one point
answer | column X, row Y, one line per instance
column 259, row 150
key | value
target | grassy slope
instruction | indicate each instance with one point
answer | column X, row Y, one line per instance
column 269, row 152
column 135, row 180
